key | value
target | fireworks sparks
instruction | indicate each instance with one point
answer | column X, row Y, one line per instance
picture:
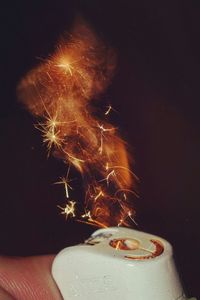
column 109, row 108
column 66, row 66
column 59, row 91
column 102, row 135
column 65, row 182
column 50, row 133
column 99, row 195
column 68, row 210
column 52, row 139
column 126, row 215
column 107, row 179
column 90, row 220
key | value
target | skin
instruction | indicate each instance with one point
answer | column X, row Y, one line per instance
column 27, row 278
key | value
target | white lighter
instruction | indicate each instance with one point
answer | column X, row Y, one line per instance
column 118, row 263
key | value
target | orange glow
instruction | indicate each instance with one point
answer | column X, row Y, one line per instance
column 59, row 93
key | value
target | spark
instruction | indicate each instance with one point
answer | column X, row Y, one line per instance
column 74, row 158
column 68, row 210
column 66, row 184
column 96, row 193
column 128, row 214
column 109, row 108
column 65, row 181
column 50, row 133
column 121, row 221
column 126, row 169
column 51, row 122
column 103, row 130
column 112, row 173
column 77, row 162
column 91, row 221
column 52, row 139
column 67, row 66
column 87, row 214
column 99, row 195
column 128, row 191
column 125, row 196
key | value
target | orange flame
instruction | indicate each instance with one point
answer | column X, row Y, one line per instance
column 59, row 92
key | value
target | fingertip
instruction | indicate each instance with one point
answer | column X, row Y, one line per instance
column 28, row 278
column 5, row 296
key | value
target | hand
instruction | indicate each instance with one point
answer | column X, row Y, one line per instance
column 27, row 279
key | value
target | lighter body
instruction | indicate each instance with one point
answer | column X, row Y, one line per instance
column 118, row 263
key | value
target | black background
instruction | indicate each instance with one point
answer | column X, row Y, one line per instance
column 156, row 91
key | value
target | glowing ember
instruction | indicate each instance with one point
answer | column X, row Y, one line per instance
column 59, row 92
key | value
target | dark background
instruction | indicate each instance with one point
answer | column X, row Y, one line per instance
column 156, row 90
